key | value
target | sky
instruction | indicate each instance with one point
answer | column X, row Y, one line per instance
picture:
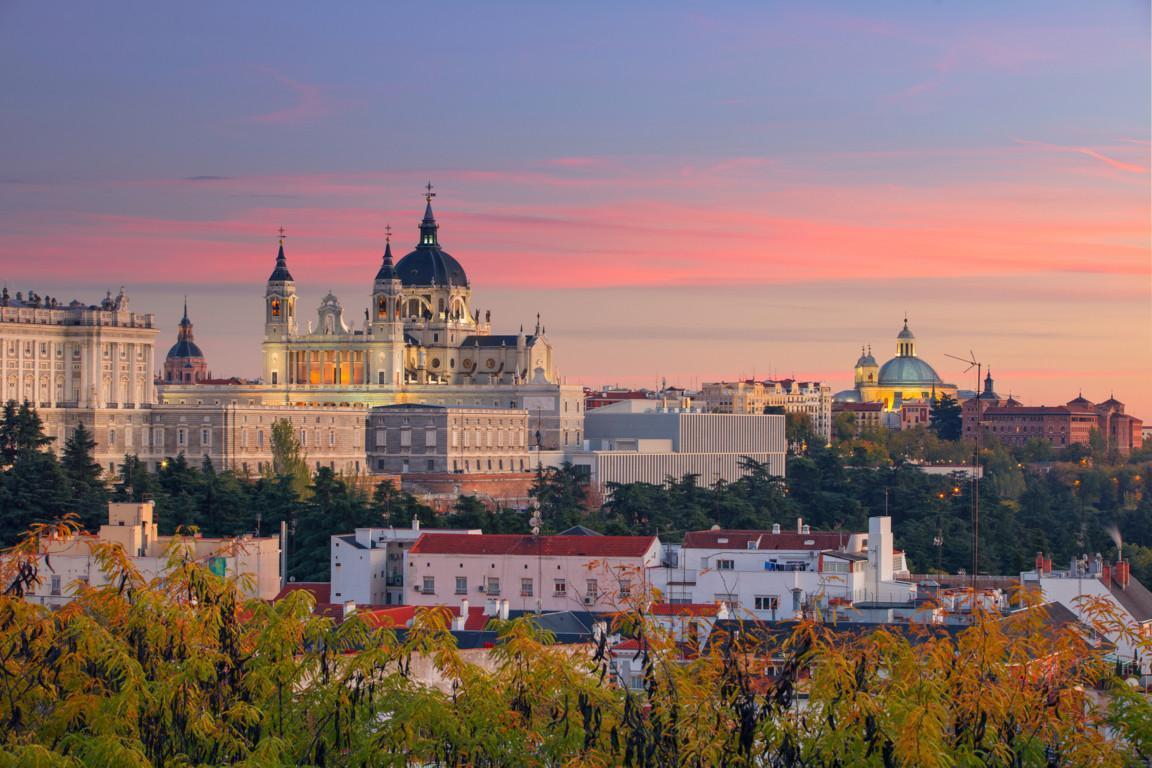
column 686, row 191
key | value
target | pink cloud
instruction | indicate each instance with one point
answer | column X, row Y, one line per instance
column 311, row 103
column 1111, row 162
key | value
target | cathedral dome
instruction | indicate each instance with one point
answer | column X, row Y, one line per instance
column 907, row 370
column 184, row 348
column 431, row 266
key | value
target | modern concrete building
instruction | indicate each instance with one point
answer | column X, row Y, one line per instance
column 65, row 563
column 626, row 446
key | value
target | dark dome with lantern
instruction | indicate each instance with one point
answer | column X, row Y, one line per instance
column 429, row 264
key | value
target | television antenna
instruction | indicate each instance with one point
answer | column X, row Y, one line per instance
column 974, row 363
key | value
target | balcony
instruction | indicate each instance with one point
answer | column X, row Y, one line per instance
column 683, row 576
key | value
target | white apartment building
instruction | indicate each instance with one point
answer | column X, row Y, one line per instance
column 368, row 565
column 64, row 563
column 811, row 398
column 778, row 575
column 1089, row 581
column 533, row 573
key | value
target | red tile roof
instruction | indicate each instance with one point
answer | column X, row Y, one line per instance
column 766, row 540
column 396, row 616
column 548, row 546
column 685, row 609
column 321, row 591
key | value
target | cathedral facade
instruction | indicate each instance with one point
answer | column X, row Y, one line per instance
column 420, row 328
column 419, row 341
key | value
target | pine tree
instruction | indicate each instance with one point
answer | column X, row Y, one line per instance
column 946, row 418
column 87, row 488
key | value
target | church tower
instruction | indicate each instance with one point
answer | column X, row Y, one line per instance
column 185, row 363
column 905, row 342
column 866, row 369
column 386, row 360
column 279, row 319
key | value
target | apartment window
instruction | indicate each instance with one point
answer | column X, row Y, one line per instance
column 526, row 587
column 430, row 438
column 591, row 588
column 725, row 565
column 111, row 437
column 767, row 602
column 461, row 585
column 331, row 438
column 559, row 587
column 205, row 437
column 405, row 438
column 429, row 585
column 730, row 599
column 431, row 465
column 625, row 587
column 181, row 437
column 260, row 439
column 493, row 586
column 56, row 585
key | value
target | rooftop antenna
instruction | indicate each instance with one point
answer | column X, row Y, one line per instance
column 973, row 363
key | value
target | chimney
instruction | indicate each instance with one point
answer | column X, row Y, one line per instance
column 799, row 525
column 349, row 609
column 415, row 523
column 1039, row 563
column 1048, row 565
column 1120, row 574
column 806, row 529
column 1106, row 575
column 503, row 607
column 459, row 621
column 776, row 528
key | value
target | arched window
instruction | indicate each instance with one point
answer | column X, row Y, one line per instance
column 382, row 307
column 275, row 307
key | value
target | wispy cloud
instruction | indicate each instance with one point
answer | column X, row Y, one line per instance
column 311, row 102
column 1111, row 162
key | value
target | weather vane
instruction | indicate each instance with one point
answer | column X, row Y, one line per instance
column 429, row 194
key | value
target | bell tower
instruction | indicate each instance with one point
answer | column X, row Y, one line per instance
column 387, row 327
column 279, row 318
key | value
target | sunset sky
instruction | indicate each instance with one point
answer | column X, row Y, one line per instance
column 685, row 191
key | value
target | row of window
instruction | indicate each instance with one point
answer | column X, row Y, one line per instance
column 491, row 587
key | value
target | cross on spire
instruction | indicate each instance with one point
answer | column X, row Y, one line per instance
column 387, row 233
column 429, row 194
column 282, row 235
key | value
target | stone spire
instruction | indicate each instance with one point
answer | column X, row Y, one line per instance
column 281, row 272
